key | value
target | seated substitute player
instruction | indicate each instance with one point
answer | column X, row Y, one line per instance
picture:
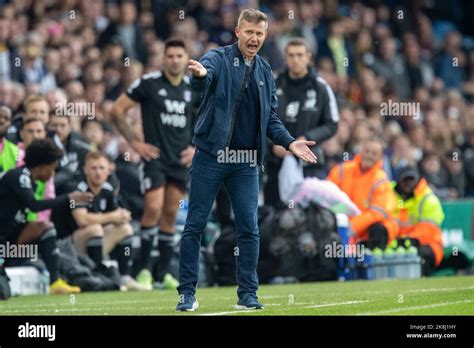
column 17, row 199
column 102, row 227
column 167, row 108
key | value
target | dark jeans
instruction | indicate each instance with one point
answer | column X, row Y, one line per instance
column 241, row 182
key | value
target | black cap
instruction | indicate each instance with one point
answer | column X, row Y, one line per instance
column 409, row 172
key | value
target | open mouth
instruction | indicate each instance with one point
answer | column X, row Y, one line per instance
column 252, row 47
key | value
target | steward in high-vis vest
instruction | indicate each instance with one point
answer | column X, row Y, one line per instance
column 367, row 185
column 419, row 215
column 9, row 152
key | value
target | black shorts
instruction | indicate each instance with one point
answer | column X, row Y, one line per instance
column 156, row 174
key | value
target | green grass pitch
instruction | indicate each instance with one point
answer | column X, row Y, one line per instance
column 427, row 296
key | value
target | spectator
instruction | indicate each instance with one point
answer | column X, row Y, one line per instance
column 93, row 132
column 435, row 175
column 401, row 156
column 9, row 57
column 451, row 61
column 453, row 162
column 420, row 72
column 35, row 106
column 127, row 32
column 337, row 48
column 391, row 67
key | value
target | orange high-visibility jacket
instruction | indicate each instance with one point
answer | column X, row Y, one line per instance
column 371, row 191
column 420, row 217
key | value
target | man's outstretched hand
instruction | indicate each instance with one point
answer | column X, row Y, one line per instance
column 300, row 149
column 196, row 68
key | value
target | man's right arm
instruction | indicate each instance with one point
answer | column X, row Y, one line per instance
column 118, row 112
column 202, row 79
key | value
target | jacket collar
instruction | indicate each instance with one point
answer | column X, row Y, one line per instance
column 311, row 73
column 422, row 187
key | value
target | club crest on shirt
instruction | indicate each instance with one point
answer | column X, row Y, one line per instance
column 103, row 204
column 187, row 96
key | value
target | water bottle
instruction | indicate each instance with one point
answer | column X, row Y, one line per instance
column 367, row 267
column 389, row 258
column 377, row 263
column 44, row 282
column 342, row 227
column 400, row 263
column 351, row 268
column 413, row 261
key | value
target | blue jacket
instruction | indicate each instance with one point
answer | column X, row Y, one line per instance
column 221, row 88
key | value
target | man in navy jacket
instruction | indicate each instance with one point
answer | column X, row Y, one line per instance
column 237, row 113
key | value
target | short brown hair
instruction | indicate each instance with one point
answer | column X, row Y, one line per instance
column 95, row 155
column 297, row 41
column 34, row 99
column 30, row 120
column 252, row 15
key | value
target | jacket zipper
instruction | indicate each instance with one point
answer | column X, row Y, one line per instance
column 236, row 106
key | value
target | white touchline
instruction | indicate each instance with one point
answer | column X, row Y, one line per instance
column 229, row 312
column 433, row 305
column 288, row 307
column 440, row 289
column 40, row 305
column 86, row 309
column 371, row 292
column 335, row 304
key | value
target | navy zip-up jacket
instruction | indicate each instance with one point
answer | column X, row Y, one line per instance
column 223, row 88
